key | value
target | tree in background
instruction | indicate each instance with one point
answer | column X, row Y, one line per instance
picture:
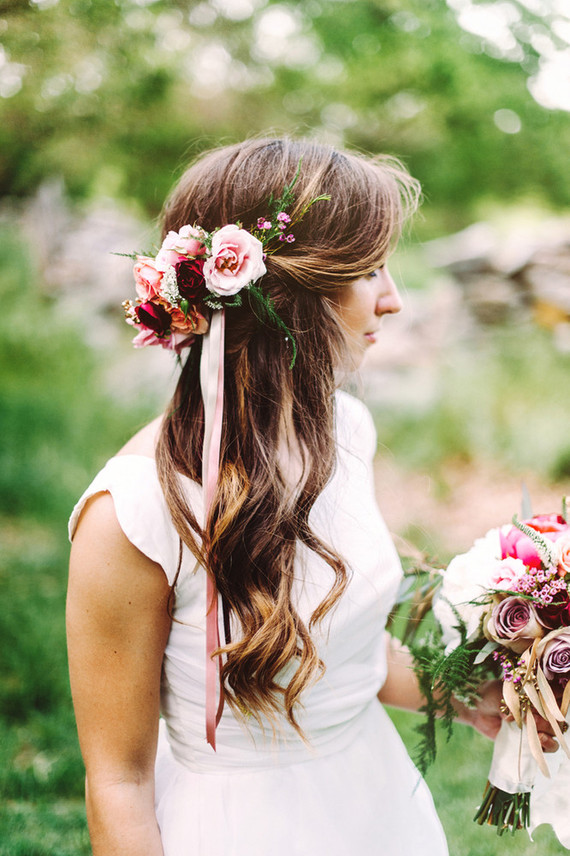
column 112, row 94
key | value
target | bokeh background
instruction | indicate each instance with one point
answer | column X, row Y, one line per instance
column 102, row 103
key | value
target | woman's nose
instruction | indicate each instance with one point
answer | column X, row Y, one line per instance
column 389, row 301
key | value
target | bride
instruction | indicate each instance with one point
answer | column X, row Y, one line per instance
column 231, row 574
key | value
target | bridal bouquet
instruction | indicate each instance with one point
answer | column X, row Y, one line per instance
column 503, row 610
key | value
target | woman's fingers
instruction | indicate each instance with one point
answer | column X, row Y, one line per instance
column 545, row 733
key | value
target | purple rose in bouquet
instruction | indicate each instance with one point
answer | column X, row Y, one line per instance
column 513, row 623
column 556, row 657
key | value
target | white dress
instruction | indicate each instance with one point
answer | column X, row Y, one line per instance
column 354, row 789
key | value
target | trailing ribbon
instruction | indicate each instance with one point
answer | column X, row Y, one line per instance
column 212, row 386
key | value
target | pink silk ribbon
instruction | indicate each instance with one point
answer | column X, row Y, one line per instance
column 212, row 385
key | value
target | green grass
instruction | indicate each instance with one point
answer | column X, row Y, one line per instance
column 56, row 429
column 457, row 781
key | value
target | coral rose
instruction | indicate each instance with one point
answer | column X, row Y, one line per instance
column 147, row 278
column 236, row 261
column 193, row 322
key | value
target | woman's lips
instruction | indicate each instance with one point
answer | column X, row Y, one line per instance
column 370, row 337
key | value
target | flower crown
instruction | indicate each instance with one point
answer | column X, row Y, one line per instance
column 196, row 271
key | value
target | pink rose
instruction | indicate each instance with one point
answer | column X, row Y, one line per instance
column 187, row 242
column 507, row 573
column 513, row 623
column 563, row 555
column 236, row 261
column 147, row 277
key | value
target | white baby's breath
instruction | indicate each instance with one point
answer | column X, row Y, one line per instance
column 169, row 286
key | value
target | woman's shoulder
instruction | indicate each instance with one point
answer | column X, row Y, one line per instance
column 144, row 442
column 140, row 507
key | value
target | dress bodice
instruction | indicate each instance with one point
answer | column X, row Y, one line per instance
column 350, row 639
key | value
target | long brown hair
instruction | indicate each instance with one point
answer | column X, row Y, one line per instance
column 257, row 519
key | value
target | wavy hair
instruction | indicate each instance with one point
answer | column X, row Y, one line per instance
column 274, row 415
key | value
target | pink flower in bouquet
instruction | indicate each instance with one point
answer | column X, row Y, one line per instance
column 563, row 555
column 518, row 545
column 507, row 573
column 513, row 623
column 548, row 523
column 236, row 261
column 147, row 278
column 186, row 242
column 555, row 659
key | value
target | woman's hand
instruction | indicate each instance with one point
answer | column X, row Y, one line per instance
column 488, row 714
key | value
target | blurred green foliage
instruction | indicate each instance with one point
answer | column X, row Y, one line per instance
column 116, row 95
column 502, row 397
column 56, row 428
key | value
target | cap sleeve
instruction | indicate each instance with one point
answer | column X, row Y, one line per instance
column 140, row 506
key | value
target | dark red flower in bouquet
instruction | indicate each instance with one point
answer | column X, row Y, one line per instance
column 557, row 613
column 518, row 545
column 154, row 317
column 190, row 279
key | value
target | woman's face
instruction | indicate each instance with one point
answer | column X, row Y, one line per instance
column 362, row 305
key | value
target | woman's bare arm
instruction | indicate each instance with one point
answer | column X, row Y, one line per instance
column 401, row 690
column 118, row 625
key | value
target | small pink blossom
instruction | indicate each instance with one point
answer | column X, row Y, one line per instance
column 262, row 223
column 236, row 261
column 147, row 277
column 284, row 218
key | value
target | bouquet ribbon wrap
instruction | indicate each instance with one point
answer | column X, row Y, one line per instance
column 514, row 770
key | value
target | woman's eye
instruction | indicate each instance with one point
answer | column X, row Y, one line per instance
column 375, row 272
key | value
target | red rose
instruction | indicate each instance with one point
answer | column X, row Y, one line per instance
column 557, row 613
column 190, row 279
column 154, row 317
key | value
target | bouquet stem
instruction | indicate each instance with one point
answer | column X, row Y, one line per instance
column 508, row 812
